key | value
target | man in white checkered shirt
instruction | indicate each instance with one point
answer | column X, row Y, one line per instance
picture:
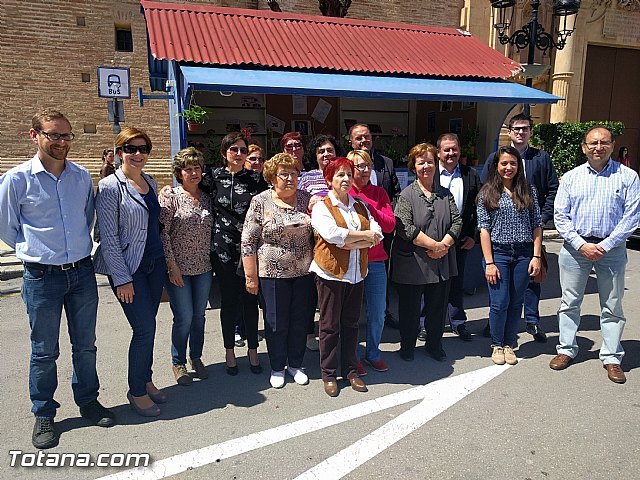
column 596, row 210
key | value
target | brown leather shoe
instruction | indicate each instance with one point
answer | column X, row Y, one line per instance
column 358, row 385
column 615, row 373
column 560, row 362
column 331, row 388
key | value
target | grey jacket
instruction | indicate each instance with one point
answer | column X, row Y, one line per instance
column 123, row 218
column 435, row 217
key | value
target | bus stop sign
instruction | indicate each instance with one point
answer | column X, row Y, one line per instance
column 114, row 82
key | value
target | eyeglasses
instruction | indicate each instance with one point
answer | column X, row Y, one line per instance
column 322, row 151
column 287, row 175
column 360, row 138
column 594, row 145
column 255, row 159
column 362, row 166
column 131, row 149
column 519, row 129
column 293, row 146
column 54, row 137
column 240, row 150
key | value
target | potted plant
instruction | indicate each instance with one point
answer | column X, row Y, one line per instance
column 194, row 115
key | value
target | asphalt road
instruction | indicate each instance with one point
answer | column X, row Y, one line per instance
column 464, row 421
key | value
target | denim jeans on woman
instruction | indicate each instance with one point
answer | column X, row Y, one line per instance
column 148, row 282
column 375, row 302
column 507, row 295
column 188, row 304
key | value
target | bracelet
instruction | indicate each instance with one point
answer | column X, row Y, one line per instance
column 537, row 256
column 489, row 263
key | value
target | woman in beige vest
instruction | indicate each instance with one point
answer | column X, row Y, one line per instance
column 345, row 231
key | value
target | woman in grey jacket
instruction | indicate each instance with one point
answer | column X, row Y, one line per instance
column 131, row 255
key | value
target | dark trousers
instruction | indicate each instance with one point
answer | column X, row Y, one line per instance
column 148, row 282
column 236, row 304
column 286, row 302
column 340, row 304
column 457, row 315
column 435, row 299
column 313, row 303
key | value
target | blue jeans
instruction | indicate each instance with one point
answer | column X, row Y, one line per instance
column 507, row 295
column 531, row 302
column 375, row 302
column 574, row 273
column 286, row 306
column 148, row 282
column 45, row 291
column 188, row 304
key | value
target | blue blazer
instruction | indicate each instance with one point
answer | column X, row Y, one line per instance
column 123, row 218
column 540, row 173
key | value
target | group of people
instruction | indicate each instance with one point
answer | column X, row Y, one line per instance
column 285, row 239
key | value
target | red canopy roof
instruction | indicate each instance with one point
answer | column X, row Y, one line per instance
column 258, row 38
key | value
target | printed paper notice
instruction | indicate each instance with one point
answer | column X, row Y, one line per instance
column 299, row 104
column 275, row 124
column 321, row 111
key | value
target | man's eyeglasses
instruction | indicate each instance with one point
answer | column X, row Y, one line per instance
column 256, row 159
column 54, row 137
column 293, row 146
column 363, row 167
column 519, row 129
column 287, row 175
column 594, row 145
column 131, row 149
column 240, row 150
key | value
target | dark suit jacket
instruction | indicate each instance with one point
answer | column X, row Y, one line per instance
column 541, row 174
column 470, row 188
column 385, row 174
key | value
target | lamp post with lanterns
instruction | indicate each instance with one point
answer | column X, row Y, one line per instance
column 532, row 35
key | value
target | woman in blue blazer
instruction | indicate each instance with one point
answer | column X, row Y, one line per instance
column 131, row 255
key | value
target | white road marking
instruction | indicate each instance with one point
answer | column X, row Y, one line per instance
column 436, row 396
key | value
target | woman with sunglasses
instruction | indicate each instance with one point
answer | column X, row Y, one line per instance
column 130, row 253
column 231, row 189
column 277, row 248
column 292, row 144
column 255, row 158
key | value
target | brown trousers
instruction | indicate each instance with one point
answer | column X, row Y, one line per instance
column 340, row 304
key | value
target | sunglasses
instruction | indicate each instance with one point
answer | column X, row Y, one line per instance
column 256, row 159
column 131, row 149
column 293, row 146
column 240, row 150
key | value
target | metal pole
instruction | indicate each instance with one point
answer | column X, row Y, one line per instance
column 533, row 31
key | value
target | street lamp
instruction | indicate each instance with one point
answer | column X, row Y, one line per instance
column 532, row 35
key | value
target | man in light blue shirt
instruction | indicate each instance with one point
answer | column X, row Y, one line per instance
column 596, row 210
column 46, row 214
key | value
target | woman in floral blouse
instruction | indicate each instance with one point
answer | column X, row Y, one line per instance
column 277, row 249
column 232, row 188
column 510, row 222
column 186, row 235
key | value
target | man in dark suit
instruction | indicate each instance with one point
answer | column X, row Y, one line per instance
column 464, row 184
column 385, row 177
column 540, row 173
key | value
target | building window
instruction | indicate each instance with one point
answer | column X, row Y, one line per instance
column 124, row 40
column 85, row 77
column 81, row 22
column 90, row 128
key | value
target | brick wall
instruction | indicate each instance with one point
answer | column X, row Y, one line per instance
column 43, row 54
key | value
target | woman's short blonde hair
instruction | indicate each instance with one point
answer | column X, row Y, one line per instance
column 186, row 157
column 361, row 154
column 255, row 148
column 420, row 150
column 279, row 160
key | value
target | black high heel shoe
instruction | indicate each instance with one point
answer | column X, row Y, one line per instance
column 257, row 369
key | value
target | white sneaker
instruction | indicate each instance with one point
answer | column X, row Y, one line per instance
column 298, row 375
column 277, row 379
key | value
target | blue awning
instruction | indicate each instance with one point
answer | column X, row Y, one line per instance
column 366, row 86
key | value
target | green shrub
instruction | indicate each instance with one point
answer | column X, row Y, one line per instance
column 563, row 141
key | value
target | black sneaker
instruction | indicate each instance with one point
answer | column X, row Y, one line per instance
column 44, row 433
column 422, row 334
column 390, row 321
column 462, row 332
column 437, row 353
column 537, row 332
column 98, row 415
